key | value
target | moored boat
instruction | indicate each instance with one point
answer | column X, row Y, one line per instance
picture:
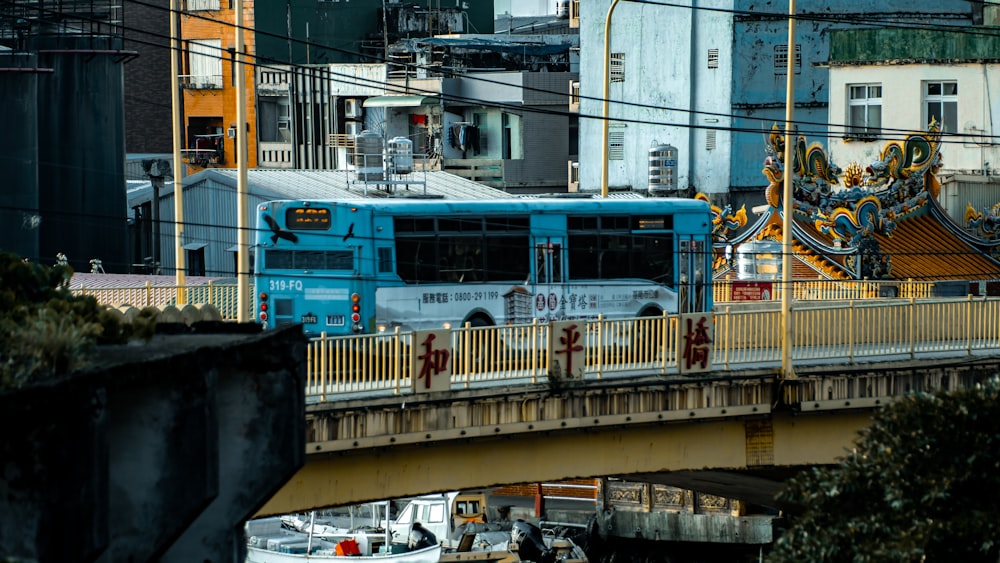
column 269, row 540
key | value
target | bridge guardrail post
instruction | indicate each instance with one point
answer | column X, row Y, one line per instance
column 319, row 371
column 600, row 346
column 850, row 332
column 397, row 362
column 913, row 325
column 664, row 333
column 727, row 337
column 968, row 326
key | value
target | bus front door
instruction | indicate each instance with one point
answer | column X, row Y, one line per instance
column 691, row 283
column 549, row 279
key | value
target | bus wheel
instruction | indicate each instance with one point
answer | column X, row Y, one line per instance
column 480, row 320
column 481, row 352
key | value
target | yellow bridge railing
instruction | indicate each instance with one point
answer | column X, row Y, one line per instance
column 823, row 333
column 821, row 290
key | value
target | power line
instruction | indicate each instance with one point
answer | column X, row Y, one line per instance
column 839, row 130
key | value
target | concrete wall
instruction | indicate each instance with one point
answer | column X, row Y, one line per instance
column 904, row 111
column 160, row 452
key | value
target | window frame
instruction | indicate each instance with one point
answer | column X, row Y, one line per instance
column 866, row 131
column 616, row 67
column 205, row 55
column 941, row 99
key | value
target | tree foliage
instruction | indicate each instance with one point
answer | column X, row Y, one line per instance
column 922, row 485
column 45, row 330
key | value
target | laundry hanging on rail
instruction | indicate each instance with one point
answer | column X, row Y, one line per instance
column 463, row 136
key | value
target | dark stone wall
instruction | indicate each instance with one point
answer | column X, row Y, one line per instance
column 159, row 452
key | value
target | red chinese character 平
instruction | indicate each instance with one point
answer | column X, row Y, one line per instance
column 570, row 341
column 432, row 361
column 696, row 344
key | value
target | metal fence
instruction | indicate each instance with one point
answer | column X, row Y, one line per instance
column 223, row 296
column 817, row 290
column 822, row 333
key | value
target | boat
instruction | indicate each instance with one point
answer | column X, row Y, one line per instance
column 272, row 540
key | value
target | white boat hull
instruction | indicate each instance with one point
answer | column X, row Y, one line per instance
column 428, row 555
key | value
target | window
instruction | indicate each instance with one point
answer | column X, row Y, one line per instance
column 864, row 111
column 273, row 119
column 384, row 259
column 617, row 67
column 196, row 261
column 205, row 61
column 607, row 248
column 197, row 5
column 713, row 58
column 781, row 59
column 616, row 142
column 461, row 250
column 480, row 121
column 941, row 105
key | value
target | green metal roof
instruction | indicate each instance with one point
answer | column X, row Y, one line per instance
column 874, row 46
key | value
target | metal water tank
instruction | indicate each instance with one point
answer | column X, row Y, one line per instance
column 662, row 170
column 759, row 260
column 400, row 155
column 368, row 156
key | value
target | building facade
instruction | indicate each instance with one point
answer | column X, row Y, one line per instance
column 710, row 79
column 949, row 79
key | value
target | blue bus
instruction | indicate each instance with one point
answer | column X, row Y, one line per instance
column 365, row 266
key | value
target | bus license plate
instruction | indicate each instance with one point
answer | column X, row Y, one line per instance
column 335, row 320
column 309, row 319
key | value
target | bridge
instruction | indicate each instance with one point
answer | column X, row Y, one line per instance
column 695, row 402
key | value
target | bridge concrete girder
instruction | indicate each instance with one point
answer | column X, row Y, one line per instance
column 739, row 436
column 624, row 430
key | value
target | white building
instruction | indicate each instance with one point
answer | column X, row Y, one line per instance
column 885, row 84
column 668, row 85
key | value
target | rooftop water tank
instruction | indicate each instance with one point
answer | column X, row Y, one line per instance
column 368, row 156
column 662, row 170
column 400, row 155
column 759, row 260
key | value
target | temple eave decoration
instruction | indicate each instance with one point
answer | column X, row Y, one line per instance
column 849, row 209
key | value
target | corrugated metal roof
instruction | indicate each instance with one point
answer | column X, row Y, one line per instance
column 331, row 184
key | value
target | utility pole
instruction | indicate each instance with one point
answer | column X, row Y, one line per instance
column 787, row 371
column 175, row 95
column 243, row 155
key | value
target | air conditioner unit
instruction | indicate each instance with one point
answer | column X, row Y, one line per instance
column 352, row 108
column 353, row 128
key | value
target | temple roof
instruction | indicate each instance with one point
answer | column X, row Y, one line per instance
column 880, row 222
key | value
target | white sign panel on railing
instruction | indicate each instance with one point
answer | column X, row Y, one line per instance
column 696, row 336
column 567, row 354
column 430, row 361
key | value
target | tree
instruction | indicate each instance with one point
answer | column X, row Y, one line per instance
column 46, row 331
column 922, row 485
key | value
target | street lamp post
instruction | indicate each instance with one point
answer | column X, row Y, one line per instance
column 604, row 102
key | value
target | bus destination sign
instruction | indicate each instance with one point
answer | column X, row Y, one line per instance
column 308, row 218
